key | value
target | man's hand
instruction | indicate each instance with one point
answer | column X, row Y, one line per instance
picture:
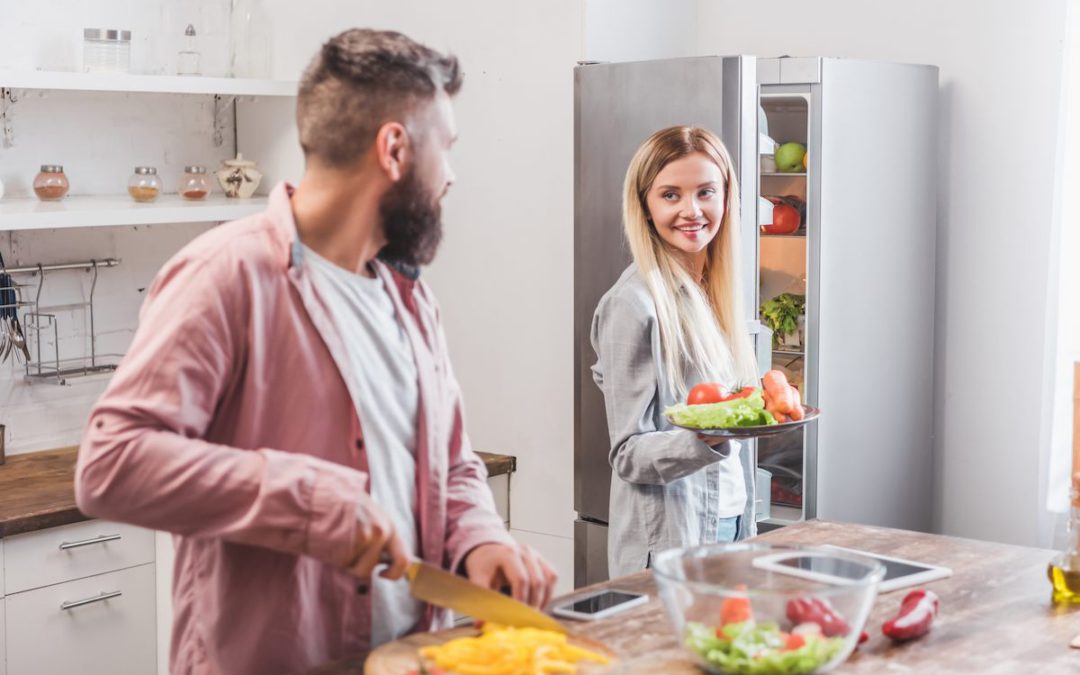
column 529, row 576
column 375, row 539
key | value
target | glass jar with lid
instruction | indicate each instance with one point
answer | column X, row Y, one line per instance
column 195, row 183
column 106, row 50
column 144, row 185
column 51, row 184
column 187, row 60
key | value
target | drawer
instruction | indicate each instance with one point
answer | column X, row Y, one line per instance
column 58, row 554
column 113, row 636
column 500, row 490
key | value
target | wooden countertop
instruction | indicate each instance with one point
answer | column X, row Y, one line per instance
column 37, row 489
column 996, row 615
column 497, row 465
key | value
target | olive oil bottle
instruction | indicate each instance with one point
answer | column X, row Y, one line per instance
column 1065, row 577
column 1064, row 569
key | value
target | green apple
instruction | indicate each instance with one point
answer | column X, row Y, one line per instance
column 789, row 157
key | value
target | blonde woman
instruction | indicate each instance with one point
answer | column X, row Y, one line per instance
column 673, row 320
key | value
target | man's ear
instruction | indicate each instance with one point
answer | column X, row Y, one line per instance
column 393, row 150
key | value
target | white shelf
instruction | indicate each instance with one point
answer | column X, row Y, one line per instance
column 777, row 174
column 150, row 84
column 783, row 515
column 96, row 211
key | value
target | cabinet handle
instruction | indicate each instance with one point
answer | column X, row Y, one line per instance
column 89, row 542
column 89, row 601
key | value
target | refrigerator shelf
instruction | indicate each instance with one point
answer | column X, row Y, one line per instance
column 779, row 174
column 785, row 512
column 781, row 515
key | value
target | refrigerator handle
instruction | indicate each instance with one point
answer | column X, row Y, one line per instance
column 762, row 338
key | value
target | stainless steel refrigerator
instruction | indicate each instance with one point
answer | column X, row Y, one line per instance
column 862, row 260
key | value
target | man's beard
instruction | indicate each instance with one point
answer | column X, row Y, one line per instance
column 412, row 223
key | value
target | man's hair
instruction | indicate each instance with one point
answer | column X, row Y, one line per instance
column 360, row 80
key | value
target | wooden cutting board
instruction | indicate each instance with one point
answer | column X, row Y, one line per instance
column 403, row 656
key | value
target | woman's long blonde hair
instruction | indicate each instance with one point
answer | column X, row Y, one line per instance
column 701, row 322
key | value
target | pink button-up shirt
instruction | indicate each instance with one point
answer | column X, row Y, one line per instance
column 230, row 425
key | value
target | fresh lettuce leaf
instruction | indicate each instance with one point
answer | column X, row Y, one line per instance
column 739, row 412
column 750, row 649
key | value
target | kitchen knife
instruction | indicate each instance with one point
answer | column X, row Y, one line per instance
column 439, row 587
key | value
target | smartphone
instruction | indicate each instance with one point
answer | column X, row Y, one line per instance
column 598, row 605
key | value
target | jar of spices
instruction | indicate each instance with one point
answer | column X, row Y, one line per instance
column 144, row 185
column 195, row 184
column 51, row 184
column 106, row 50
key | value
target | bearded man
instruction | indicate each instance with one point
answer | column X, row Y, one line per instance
column 287, row 408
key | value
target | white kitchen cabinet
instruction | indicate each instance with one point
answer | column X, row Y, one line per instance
column 58, row 554
column 101, row 625
column 3, row 652
column 78, row 598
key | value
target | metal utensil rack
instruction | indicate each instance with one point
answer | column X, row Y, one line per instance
column 37, row 323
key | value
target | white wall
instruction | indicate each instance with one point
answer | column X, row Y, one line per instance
column 1000, row 76
column 638, row 30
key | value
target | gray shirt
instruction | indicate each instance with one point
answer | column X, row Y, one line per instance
column 384, row 386
column 668, row 488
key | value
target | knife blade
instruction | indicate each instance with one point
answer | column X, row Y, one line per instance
column 439, row 587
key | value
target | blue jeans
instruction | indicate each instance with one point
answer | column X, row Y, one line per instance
column 728, row 529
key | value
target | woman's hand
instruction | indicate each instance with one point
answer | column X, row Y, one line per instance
column 712, row 441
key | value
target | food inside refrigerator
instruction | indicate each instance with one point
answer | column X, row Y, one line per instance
column 782, row 273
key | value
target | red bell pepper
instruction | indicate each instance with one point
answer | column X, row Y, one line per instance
column 917, row 612
column 819, row 611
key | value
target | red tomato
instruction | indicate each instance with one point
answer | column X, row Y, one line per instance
column 741, row 393
column 705, row 393
column 785, row 220
column 792, row 642
column 736, row 609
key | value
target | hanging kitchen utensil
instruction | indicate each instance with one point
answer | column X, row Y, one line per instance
column 20, row 340
column 7, row 310
column 14, row 338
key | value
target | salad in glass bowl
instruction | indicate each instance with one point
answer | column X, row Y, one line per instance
column 736, row 616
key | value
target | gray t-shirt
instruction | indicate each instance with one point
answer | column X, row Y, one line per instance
column 382, row 378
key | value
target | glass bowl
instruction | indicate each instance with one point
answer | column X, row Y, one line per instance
column 736, row 613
